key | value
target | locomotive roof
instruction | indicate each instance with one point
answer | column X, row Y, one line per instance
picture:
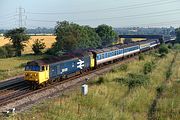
column 54, row 59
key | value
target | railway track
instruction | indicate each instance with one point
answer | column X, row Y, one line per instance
column 24, row 92
column 11, row 89
column 11, row 83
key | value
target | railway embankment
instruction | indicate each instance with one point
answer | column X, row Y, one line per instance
column 110, row 99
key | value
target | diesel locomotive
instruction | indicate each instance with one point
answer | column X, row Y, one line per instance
column 40, row 72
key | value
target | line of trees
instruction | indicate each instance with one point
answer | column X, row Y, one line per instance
column 71, row 36
column 19, row 38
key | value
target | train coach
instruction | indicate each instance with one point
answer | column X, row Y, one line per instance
column 40, row 72
column 116, row 52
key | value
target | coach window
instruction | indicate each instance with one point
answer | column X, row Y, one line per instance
column 105, row 55
column 98, row 56
column 108, row 54
column 112, row 53
column 119, row 51
column 102, row 56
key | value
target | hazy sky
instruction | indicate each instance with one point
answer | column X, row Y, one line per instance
column 117, row 13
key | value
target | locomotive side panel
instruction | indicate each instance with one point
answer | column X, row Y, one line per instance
column 68, row 67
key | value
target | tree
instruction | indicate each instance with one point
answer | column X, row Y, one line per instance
column 163, row 50
column 71, row 36
column 38, row 46
column 18, row 38
column 107, row 34
column 178, row 35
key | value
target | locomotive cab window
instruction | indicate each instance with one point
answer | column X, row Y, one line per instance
column 32, row 68
column 42, row 68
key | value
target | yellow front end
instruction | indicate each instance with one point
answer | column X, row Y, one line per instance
column 38, row 77
column 92, row 63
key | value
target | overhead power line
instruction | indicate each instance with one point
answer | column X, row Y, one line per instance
column 154, row 3
column 169, row 23
column 151, row 14
column 7, row 15
column 158, row 23
column 7, row 22
column 8, row 19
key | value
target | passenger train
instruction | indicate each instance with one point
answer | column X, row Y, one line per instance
column 43, row 71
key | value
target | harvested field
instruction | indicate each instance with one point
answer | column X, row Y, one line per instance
column 3, row 41
column 49, row 40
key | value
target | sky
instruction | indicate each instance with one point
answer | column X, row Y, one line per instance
column 117, row 13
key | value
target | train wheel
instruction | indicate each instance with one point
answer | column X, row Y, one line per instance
column 33, row 86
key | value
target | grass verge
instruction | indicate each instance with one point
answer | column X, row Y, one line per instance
column 10, row 67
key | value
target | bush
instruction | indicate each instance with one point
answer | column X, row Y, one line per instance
column 163, row 50
column 134, row 80
column 177, row 46
column 170, row 46
column 168, row 73
column 160, row 89
column 123, row 67
column 141, row 56
column 100, row 80
column 38, row 46
column 3, row 52
column 7, row 51
column 148, row 67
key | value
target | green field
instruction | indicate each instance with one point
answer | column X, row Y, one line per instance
column 10, row 67
column 110, row 100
